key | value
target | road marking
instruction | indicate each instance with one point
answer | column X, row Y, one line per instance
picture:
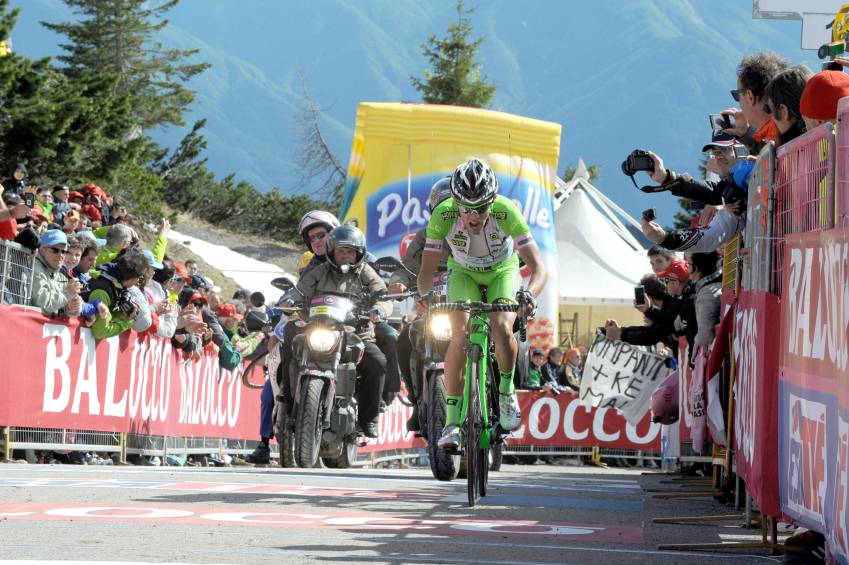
column 495, row 499
column 245, row 488
column 343, row 521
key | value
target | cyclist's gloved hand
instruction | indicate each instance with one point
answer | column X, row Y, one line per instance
column 530, row 302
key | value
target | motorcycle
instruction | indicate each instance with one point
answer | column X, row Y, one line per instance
column 327, row 354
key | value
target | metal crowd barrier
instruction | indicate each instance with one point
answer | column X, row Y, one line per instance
column 841, row 197
column 16, row 266
column 804, row 191
column 759, row 221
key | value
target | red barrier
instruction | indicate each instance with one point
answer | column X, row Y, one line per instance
column 814, row 387
column 756, row 391
column 58, row 376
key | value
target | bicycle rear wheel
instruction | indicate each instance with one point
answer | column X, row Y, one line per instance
column 473, row 428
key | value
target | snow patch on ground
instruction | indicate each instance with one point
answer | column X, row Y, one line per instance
column 247, row 272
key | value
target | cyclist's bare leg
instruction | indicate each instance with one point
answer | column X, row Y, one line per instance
column 455, row 357
column 501, row 324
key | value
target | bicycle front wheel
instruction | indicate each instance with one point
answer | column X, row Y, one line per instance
column 474, row 424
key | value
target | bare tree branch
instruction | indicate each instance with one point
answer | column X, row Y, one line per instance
column 314, row 157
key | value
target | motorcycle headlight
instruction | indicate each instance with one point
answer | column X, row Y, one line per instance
column 440, row 327
column 322, row 341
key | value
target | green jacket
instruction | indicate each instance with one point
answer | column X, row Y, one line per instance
column 115, row 322
column 108, row 253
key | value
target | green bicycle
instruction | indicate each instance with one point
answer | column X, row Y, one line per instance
column 480, row 428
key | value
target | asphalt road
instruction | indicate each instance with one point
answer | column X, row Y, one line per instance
column 536, row 514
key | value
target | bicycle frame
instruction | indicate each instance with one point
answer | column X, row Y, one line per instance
column 477, row 334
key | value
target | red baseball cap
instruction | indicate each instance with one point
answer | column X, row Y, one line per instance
column 229, row 311
column 677, row 270
column 197, row 298
column 181, row 271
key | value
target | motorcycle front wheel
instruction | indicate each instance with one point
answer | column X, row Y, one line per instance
column 309, row 424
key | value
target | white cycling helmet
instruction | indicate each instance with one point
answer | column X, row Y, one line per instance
column 316, row 218
column 474, row 184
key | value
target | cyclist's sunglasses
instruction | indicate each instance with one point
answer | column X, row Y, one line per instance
column 479, row 210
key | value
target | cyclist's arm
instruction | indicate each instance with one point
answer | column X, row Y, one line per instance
column 437, row 230
column 430, row 261
column 532, row 257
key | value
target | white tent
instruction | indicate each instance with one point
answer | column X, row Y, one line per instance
column 600, row 259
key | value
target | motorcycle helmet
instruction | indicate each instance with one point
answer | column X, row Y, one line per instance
column 474, row 184
column 440, row 191
column 316, row 218
column 346, row 236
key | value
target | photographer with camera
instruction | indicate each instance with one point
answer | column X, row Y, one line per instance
column 112, row 286
column 730, row 220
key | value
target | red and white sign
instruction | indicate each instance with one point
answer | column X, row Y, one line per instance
column 756, row 391
column 59, row 376
column 564, row 421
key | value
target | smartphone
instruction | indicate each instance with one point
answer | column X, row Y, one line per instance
column 29, row 199
column 740, row 151
column 640, row 295
column 650, row 215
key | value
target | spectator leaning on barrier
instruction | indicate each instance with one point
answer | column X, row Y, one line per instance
column 660, row 309
column 111, row 289
column 782, row 97
column 730, row 220
column 72, row 257
column 707, row 281
column 752, row 125
column 572, row 368
column 818, row 104
column 52, row 289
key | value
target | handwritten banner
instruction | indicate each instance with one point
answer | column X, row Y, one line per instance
column 621, row 376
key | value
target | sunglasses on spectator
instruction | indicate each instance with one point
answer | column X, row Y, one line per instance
column 735, row 94
column 479, row 211
column 58, row 250
column 198, row 304
column 317, row 236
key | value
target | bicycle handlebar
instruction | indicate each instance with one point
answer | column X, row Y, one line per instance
column 469, row 306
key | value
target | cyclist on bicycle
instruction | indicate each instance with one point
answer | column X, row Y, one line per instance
column 481, row 228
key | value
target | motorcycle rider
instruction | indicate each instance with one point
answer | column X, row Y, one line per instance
column 314, row 228
column 346, row 270
column 404, row 278
column 482, row 228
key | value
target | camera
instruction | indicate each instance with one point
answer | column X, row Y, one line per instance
column 740, row 151
column 29, row 199
column 125, row 304
column 719, row 122
column 638, row 160
column 555, row 390
column 650, row 215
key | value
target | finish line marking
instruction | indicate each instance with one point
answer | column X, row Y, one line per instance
column 244, row 488
column 356, row 522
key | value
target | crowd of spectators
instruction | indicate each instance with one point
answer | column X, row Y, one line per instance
column 87, row 263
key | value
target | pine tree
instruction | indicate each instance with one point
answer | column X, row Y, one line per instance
column 116, row 38
column 64, row 132
column 455, row 76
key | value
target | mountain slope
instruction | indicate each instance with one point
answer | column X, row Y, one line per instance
column 617, row 75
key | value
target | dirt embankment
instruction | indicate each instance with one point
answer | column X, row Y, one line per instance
column 285, row 255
